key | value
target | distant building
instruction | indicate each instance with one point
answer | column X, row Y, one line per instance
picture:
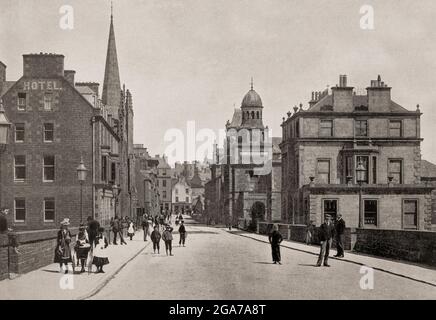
column 324, row 146
column 164, row 183
column 181, row 196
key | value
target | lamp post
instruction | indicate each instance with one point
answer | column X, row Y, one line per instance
column 81, row 175
column 361, row 178
column 5, row 126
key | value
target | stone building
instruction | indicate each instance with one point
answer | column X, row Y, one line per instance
column 181, row 196
column 164, row 183
column 247, row 175
column 341, row 131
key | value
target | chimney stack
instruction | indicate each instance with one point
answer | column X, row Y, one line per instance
column 69, row 75
column 342, row 96
column 343, row 81
column 379, row 96
column 2, row 72
column 43, row 65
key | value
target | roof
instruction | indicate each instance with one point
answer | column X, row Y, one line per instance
column 251, row 99
column 84, row 90
column 358, row 100
column 236, row 119
column 276, row 144
column 428, row 169
column 6, row 86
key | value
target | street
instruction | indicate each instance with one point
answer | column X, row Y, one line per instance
column 217, row 264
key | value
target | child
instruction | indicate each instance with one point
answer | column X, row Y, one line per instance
column 155, row 237
column 167, row 236
column 82, row 247
column 131, row 231
column 100, row 255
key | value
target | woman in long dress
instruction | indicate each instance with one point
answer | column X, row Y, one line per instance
column 275, row 238
column 63, row 250
column 100, row 253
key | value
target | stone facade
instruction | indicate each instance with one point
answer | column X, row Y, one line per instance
column 323, row 146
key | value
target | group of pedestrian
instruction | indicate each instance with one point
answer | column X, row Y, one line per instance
column 162, row 230
column 90, row 244
column 122, row 228
column 327, row 231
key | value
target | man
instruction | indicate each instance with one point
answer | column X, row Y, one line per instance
column 275, row 238
column 340, row 236
column 182, row 232
column 116, row 228
column 325, row 237
column 145, row 225
column 92, row 230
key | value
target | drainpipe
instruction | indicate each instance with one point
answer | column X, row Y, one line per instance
column 93, row 166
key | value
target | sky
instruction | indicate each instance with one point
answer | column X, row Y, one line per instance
column 192, row 60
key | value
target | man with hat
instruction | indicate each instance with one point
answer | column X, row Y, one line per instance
column 325, row 237
column 340, row 236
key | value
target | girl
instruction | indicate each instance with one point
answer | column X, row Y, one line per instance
column 63, row 250
column 100, row 255
column 82, row 247
column 155, row 238
column 131, row 231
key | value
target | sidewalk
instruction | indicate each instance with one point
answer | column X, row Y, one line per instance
column 402, row 269
column 46, row 283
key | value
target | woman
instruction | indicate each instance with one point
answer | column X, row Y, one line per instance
column 275, row 238
column 63, row 250
column 167, row 236
column 82, row 246
column 100, row 256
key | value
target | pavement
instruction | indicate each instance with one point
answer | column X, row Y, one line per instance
column 221, row 264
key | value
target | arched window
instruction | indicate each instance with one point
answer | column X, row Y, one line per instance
column 257, row 114
column 248, row 114
column 252, row 115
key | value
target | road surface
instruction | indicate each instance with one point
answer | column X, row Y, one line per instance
column 216, row 264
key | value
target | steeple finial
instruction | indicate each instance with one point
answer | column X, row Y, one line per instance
column 251, row 83
column 112, row 10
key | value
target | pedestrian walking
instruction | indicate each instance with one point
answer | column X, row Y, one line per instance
column 155, row 238
column 182, row 232
column 310, row 230
column 116, row 229
column 82, row 247
column 100, row 253
column 63, row 250
column 145, row 225
column 131, row 230
column 340, row 236
column 167, row 236
column 325, row 237
column 275, row 238
column 92, row 230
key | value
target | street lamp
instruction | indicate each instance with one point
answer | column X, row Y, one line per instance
column 361, row 178
column 81, row 175
column 5, row 126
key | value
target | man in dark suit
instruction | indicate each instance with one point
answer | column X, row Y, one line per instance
column 325, row 236
column 340, row 236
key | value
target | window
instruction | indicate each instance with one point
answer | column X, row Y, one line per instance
column 330, row 207
column 164, row 194
column 177, row 199
column 187, row 199
column 395, row 127
column 19, row 132
column 164, row 172
column 49, row 210
column 326, row 128
column 177, row 191
column 361, row 128
column 20, row 210
column 48, row 101
column 187, row 191
column 164, row 183
column 374, row 170
column 104, row 168
column 395, row 171
column 113, row 172
column 22, row 101
column 410, row 214
column 20, row 168
column 370, row 212
column 48, row 132
column 49, row 168
column 365, row 161
column 323, row 172
column 257, row 114
column 349, row 172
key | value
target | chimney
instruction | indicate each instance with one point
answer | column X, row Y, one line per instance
column 379, row 96
column 43, row 65
column 2, row 75
column 69, row 75
column 342, row 96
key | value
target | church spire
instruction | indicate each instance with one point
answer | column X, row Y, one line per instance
column 111, row 95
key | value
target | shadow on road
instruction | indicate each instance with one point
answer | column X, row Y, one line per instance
column 307, row 265
column 263, row 262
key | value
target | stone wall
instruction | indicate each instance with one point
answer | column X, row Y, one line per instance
column 35, row 250
column 415, row 246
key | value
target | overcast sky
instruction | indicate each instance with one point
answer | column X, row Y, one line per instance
column 192, row 60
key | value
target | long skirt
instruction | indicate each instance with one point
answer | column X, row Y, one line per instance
column 275, row 248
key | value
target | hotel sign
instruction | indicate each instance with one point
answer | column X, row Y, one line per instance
column 42, row 85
